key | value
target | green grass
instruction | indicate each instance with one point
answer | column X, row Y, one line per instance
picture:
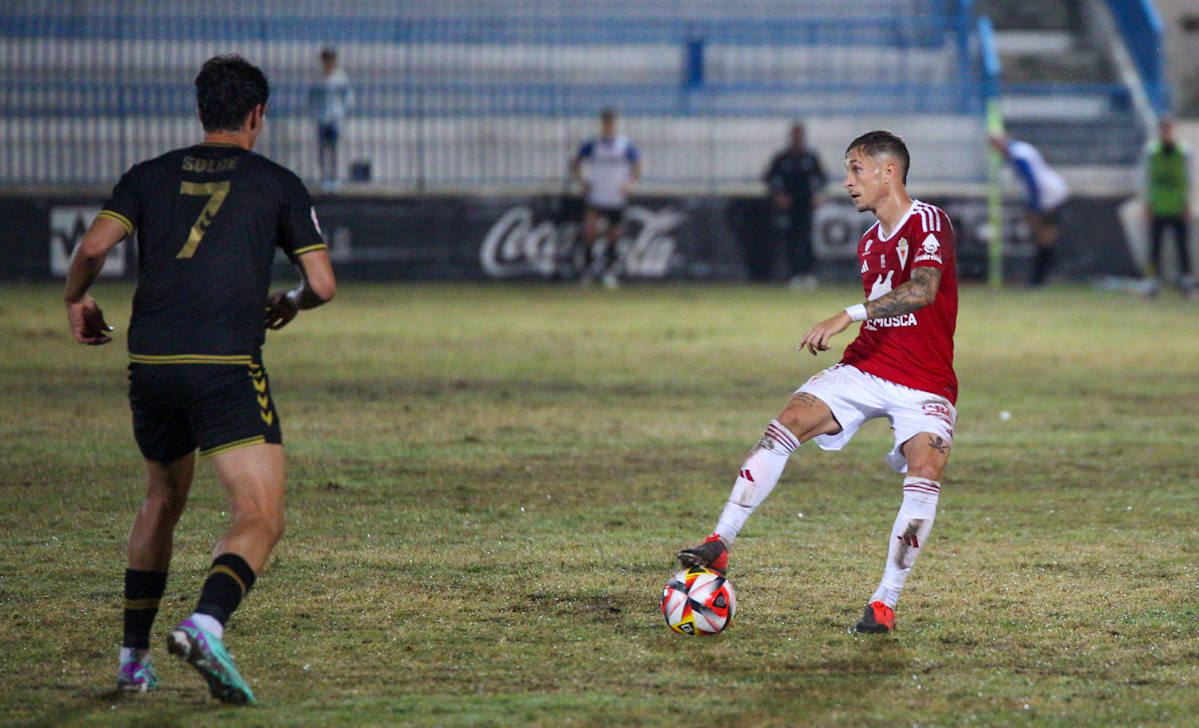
column 487, row 484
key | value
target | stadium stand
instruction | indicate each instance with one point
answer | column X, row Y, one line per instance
column 1062, row 88
column 488, row 94
column 474, row 95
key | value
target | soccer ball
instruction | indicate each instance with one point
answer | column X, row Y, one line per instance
column 698, row 601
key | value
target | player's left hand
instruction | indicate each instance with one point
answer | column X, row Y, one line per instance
column 280, row 310
column 817, row 338
column 87, row 322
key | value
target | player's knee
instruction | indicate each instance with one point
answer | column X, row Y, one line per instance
column 926, row 466
column 790, row 419
column 167, row 505
column 265, row 521
column 806, row 417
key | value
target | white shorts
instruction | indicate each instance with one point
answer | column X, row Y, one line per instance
column 855, row 396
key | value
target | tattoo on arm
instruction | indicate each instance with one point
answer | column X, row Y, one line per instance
column 911, row 296
column 938, row 443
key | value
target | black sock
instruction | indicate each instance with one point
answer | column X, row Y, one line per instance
column 1041, row 263
column 143, row 590
column 588, row 260
column 229, row 580
column 610, row 258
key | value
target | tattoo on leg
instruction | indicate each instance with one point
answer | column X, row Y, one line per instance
column 937, row 443
column 807, row 398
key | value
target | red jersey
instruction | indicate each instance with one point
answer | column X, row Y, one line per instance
column 915, row 349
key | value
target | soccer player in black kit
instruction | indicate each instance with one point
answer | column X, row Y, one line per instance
column 209, row 219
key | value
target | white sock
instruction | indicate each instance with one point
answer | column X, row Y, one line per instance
column 757, row 478
column 911, row 529
column 209, row 624
column 132, row 653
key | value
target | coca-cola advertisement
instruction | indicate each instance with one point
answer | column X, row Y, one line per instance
column 535, row 237
column 539, row 237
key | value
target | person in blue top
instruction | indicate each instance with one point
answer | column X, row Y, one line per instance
column 1046, row 192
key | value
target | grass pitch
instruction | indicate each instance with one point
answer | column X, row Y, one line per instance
column 487, row 484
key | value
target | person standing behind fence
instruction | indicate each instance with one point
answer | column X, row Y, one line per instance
column 607, row 167
column 331, row 98
column 1046, row 193
column 795, row 178
column 1167, row 192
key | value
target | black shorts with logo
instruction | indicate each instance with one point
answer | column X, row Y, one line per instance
column 179, row 405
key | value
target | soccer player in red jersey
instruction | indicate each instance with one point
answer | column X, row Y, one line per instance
column 900, row 367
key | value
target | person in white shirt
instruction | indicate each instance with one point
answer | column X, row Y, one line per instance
column 1046, row 191
column 606, row 167
column 330, row 99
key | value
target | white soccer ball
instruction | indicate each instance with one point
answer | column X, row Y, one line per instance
column 698, row 601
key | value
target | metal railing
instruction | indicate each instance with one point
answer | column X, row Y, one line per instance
column 1142, row 29
column 88, row 89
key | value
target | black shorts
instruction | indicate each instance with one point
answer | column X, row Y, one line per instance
column 614, row 215
column 1047, row 217
column 328, row 133
column 215, row 407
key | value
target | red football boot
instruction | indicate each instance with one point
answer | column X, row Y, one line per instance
column 711, row 554
column 879, row 618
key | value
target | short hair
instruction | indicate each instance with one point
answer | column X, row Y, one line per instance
column 227, row 89
column 875, row 143
column 328, row 53
column 608, row 115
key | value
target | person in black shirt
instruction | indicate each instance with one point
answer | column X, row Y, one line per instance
column 209, row 219
column 795, row 178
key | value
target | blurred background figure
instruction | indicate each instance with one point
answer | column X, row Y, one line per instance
column 1046, row 193
column 794, row 179
column 606, row 167
column 1167, row 204
column 330, row 98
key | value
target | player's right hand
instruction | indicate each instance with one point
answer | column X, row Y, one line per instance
column 817, row 338
column 87, row 322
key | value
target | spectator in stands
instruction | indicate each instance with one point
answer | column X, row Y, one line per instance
column 330, row 98
column 606, row 167
column 795, row 179
column 1167, row 203
column 1046, row 191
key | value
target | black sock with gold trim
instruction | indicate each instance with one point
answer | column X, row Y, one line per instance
column 229, row 580
column 143, row 591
